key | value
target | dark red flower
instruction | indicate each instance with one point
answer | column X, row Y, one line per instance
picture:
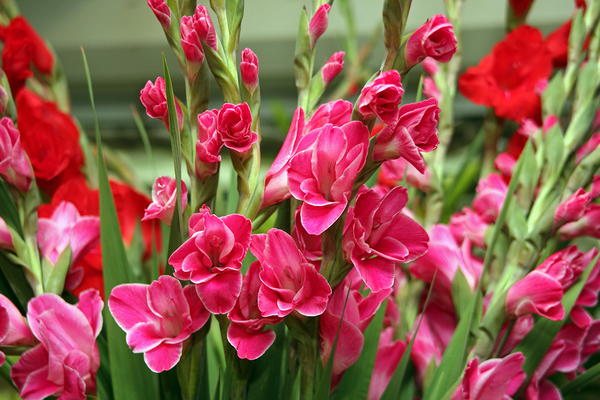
column 51, row 140
column 506, row 79
column 23, row 47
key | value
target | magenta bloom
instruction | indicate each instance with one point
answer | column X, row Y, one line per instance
column 468, row 224
column 290, row 283
column 65, row 361
column 246, row 332
column 491, row 192
column 414, row 131
column 322, row 175
column 434, row 39
column 249, row 70
column 494, row 379
column 158, row 318
column 572, row 208
column 212, row 258
column 154, row 97
column 389, row 354
column 337, row 113
column 162, row 12
column 537, row 293
column 13, row 328
column 381, row 98
column 379, row 236
column 14, row 165
column 332, row 67
column 66, row 227
column 164, row 192
column 208, row 145
column 318, row 24
column 587, row 225
column 234, row 125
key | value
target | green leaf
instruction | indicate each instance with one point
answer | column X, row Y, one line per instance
column 395, row 386
column 131, row 379
column 8, row 210
column 553, row 151
column 144, row 135
column 56, row 280
column 553, row 97
column 266, row 371
column 528, row 182
column 515, row 221
column 587, row 377
column 535, row 345
column 461, row 293
column 356, row 379
column 393, row 25
column 103, row 375
column 13, row 283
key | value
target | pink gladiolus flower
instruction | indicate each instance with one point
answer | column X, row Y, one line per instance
column 446, row 256
column 358, row 313
column 191, row 45
column 66, row 227
column 14, row 165
column 434, row 39
column 322, row 175
column 13, row 328
column 587, row 225
column 164, row 192
column 212, row 258
column 587, row 148
column 337, row 113
column 493, row 379
column 249, row 70
column 154, row 97
column 378, row 236
column 276, row 186
column 158, row 318
column 413, row 132
column 318, row 24
column 537, row 293
column 389, row 354
column 234, row 125
column 381, row 98
column 208, row 145
column 162, row 12
column 204, row 27
column 6, row 241
column 246, row 332
column 332, row 67
column 290, row 283
column 491, row 192
column 392, row 173
column 65, row 361
column 309, row 245
column 572, row 208
column 468, row 224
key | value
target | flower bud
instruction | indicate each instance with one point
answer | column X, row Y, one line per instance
column 381, row 97
column 14, row 165
column 572, row 209
column 208, row 145
column 162, row 12
column 234, row 126
column 318, row 24
column 434, row 39
column 332, row 67
column 154, row 97
column 249, row 70
column 204, row 27
column 164, row 192
column 6, row 241
column 192, row 48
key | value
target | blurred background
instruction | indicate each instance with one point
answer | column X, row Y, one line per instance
column 123, row 43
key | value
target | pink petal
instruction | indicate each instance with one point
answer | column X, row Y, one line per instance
column 312, row 299
column 90, row 304
column 249, row 345
column 144, row 337
column 198, row 312
column 163, row 357
column 85, row 235
column 220, row 293
column 74, row 388
column 377, row 272
column 129, row 306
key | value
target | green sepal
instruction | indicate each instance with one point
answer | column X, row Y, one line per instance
column 553, row 146
column 461, row 293
column 13, row 284
column 580, row 125
column 8, row 210
column 528, row 182
column 55, row 281
column 515, row 221
column 192, row 371
column 394, row 18
column 554, row 96
column 302, row 58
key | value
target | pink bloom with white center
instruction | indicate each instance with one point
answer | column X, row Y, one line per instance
column 322, row 175
column 234, row 126
column 212, row 258
column 378, row 236
column 289, row 282
column 572, row 208
column 318, row 24
column 13, row 328
column 276, row 186
column 494, row 379
column 65, row 362
column 192, row 47
column 356, row 317
column 66, row 227
column 433, row 39
column 587, row 225
column 164, row 192
column 332, row 67
column 414, row 131
column 162, row 12
column 14, row 165
column 208, row 145
column 246, row 332
column 158, row 318
column 337, row 113
column 491, row 192
column 6, row 241
column 154, row 97
column 381, row 98
column 445, row 256
column 249, row 70
column 468, row 224
column 204, row 27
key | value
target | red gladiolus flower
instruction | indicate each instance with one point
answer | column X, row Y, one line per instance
column 506, row 79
